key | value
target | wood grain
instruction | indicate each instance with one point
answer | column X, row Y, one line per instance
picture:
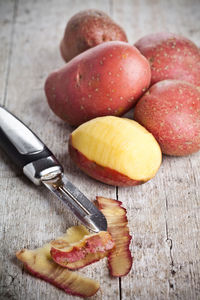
column 163, row 213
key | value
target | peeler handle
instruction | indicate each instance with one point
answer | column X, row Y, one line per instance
column 25, row 149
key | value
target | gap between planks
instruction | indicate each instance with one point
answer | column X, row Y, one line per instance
column 10, row 50
column 111, row 4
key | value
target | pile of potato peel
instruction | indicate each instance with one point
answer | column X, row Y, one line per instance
column 55, row 262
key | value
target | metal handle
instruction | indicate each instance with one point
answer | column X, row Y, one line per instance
column 24, row 148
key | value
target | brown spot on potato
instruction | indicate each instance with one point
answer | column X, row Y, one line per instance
column 104, row 38
column 78, row 78
column 151, row 60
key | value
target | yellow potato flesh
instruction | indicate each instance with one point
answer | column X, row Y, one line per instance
column 119, row 144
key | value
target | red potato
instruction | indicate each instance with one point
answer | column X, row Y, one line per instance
column 170, row 110
column 105, row 80
column 87, row 29
column 171, row 57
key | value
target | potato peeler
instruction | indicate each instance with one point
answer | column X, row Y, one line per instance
column 38, row 163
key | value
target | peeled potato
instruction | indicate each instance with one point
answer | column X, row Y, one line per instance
column 116, row 151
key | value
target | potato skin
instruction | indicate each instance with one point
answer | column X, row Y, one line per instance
column 87, row 29
column 94, row 170
column 104, row 80
column 171, row 57
column 170, row 110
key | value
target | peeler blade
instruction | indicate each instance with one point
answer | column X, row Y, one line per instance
column 77, row 202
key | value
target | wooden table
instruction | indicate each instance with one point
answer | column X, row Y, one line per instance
column 163, row 214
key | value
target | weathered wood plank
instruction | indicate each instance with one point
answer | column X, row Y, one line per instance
column 182, row 219
column 7, row 20
column 143, row 17
column 7, row 23
column 164, row 213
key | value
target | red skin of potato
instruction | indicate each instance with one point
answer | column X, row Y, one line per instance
column 118, row 228
column 88, row 29
column 93, row 249
column 59, row 285
column 104, row 80
column 62, row 278
column 170, row 110
column 171, row 57
column 103, row 174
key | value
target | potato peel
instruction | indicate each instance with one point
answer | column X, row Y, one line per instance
column 119, row 259
column 40, row 264
column 88, row 249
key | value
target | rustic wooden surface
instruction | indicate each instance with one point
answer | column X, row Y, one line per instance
column 163, row 214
